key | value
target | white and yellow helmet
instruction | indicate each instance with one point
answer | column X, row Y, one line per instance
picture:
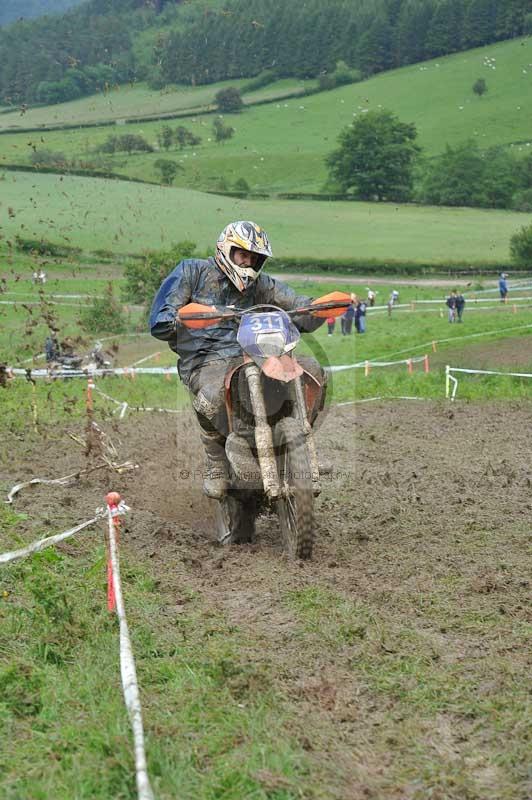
column 247, row 236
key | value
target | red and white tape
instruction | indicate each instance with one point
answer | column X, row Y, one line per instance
column 115, row 508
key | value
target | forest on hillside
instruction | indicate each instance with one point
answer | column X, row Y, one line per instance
column 102, row 42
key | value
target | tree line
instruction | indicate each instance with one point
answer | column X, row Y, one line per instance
column 378, row 159
column 99, row 43
column 306, row 40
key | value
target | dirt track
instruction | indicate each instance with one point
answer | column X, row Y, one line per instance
column 414, row 486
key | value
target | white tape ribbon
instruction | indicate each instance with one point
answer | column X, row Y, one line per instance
column 127, row 669
column 41, row 544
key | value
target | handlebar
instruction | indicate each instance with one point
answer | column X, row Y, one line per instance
column 237, row 313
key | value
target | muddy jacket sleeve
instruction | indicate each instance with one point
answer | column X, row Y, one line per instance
column 175, row 291
column 279, row 294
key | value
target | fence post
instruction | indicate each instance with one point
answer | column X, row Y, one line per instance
column 409, row 366
column 426, row 365
column 447, row 381
column 112, row 499
column 366, row 368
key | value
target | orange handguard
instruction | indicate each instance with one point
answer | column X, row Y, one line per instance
column 197, row 308
column 332, row 297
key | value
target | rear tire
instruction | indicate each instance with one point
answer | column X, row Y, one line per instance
column 235, row 520
column 296, row 508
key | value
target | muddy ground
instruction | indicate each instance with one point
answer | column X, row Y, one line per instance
column 412, row 486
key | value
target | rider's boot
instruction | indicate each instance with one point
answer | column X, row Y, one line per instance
column 216, row 480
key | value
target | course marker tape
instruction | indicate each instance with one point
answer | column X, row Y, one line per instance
column 115, row 508
column 449, row 377
column 67, row 478
column 124, row 405
column 380, row 397
column 41, row 544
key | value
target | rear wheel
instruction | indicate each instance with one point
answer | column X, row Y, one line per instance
column 235, row 519
column 296, row 506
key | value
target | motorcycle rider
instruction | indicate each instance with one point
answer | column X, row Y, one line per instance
column 232, row 277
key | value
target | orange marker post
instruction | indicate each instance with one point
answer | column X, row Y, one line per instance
column 112, row 499
column 426, row 365
column 410, row 366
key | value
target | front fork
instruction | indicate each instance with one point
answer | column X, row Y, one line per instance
column 263, row 434
column 264, row 438
column 309, row 436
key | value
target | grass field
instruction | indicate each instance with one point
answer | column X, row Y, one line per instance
column 93, row 213
column 281, row 147
column 134, row 100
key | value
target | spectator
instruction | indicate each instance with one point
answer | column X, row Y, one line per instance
column 451, row 305
column 41, row 277
column 394, row 297
column 360, row 316
column 331, row 322
column 51, row 349
column 346, row 320
column 503, row 287
column 371, row 297
column 460, row 303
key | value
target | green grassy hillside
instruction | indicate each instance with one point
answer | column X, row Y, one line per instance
column 94, row 213
column 138, row 100
column 281, row 147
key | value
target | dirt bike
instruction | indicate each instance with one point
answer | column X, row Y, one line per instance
column 74, row 365
column 271, row 402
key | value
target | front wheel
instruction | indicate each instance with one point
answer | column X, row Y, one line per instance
column 235, row 520
column 296, row 506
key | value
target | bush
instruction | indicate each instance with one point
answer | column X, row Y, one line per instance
column 45, row 248
column 521, row 247
column 341, row 76
column 221, row 131
column 229, row 100
column 466, row 176
column 143, row 278
column 241, row 185
column 184, row 137
column 480, row 87
column 128, row 143
column 168, row 170
column 48, row 158
column 104, row 314
column 522, row 201
column 264, row 78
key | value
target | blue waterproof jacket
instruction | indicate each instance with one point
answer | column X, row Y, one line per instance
column 202, row 281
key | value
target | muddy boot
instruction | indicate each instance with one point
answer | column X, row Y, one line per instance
column 216, row 481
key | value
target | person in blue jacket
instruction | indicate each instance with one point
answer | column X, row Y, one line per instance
column 346, row 320
column 232, row 277
column 503, row 287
